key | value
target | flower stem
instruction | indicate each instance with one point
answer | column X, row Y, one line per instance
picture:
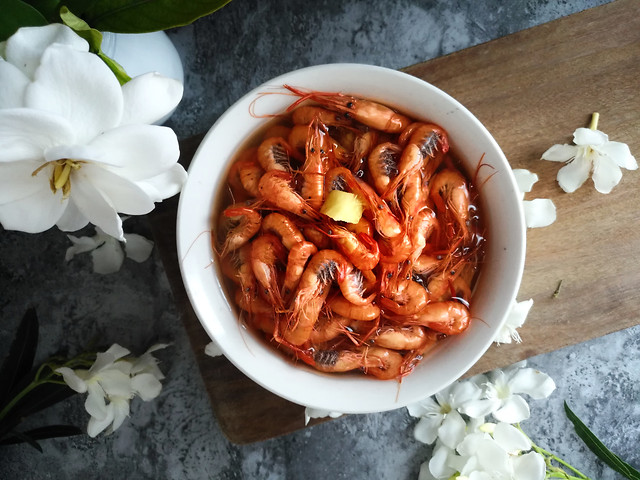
column 594, row 121
column 552, row 471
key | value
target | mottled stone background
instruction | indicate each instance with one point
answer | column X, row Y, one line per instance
column 176, row 436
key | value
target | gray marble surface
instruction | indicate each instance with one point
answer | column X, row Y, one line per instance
column 176, row 436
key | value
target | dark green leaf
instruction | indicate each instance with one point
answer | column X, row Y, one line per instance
column 139, row 16
column 42, row 433
column 91, row 35
column 25, row 438
column 41, row 397
column 21, row 354
column 16, row 14
column 597, row 447
column 48, row 8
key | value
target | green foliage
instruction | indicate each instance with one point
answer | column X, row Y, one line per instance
column 597, row 447
column 16, row 14
column 27, row 390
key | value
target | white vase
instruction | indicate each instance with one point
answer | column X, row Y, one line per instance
column 140, row 53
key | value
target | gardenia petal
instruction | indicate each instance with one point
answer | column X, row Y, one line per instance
column 120, row 407
column 515, row 319
column 524, row 179
column 539, row 212
column 426, row 430
column 606, row 174
column 95, row 404
column 480, row 408
column 452, row 430
column 26, row 133
column 560, row 153
column 425, row 407
column 80, row 245
column 512, row 440
column 146, row 385
column 149, row 97
column 530, row 466
column 108, row 257
column 586, row 136
column 212, row 349
column 532, row 382
column 72, row 379
column 33, row 214
column 137, row 152
column 98, row 424
column 574, row 174
column 25, row 47
column 137, row 247
column 16, row 181
column 439, row 463
column 619, row 153
column 514, row 409
column 72, row 219
column 165, row 185
column 14, row 83
column 79, row 87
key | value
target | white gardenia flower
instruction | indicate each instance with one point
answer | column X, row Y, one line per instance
column 505, row 386
column 75, row 145
column 107, row 252
column 592, row 152
column 539, row 212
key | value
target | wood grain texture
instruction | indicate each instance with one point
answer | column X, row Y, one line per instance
column 531, row 89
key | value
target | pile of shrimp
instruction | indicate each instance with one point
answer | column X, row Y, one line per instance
column 371, row 297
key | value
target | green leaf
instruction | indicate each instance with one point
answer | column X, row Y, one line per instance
column 597, row 447
column 94, row 38
column 42, row 433
column 25, row 438
column 16, row 14
column 21, row 354
column 82, row 28
column 48, row 8
column 140, row 16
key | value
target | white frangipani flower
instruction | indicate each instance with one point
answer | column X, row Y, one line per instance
column 439, row 416
column 107, row 252
column 539, row 212
column 75, row 146
column 592, row 152
column 506, row 385
column 515, row 319
column 111, row 382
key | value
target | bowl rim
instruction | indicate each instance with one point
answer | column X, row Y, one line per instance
column 186, row 242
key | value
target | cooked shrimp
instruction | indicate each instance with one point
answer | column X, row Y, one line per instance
column 298, row 137
column 409, row 164
column 363, row 145
column 299, row 254
column 371, row 114
column 401, row 337
column 315, row 236
column 352, row 287
column 299, row 324
column 277, row 131
column 383, row 165
column 430, row 138
column 329, row 327
column 360, row 249
column 250, row 173
column 363, row 226
column 237, row 267
column 254, row 305
column 345, row 308
column 339, row 361
column 284, row 228
column 305, row 114
column 449, row 317
column 246, row 223
column 266, row 252
column 420, row 229
column 426, row 264
column 414, row 195
column 391, row 363
column 450, row 194
column 275, row 188
column 274, row 153
column 315, row 165
column 404, row 297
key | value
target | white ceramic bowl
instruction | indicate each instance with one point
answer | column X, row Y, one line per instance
column 495, row 289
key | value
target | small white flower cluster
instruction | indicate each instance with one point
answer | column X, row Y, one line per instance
column 539, row 212
column 469, row 447
column 112, row 382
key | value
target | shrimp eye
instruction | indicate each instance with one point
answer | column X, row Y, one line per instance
column 312, row 150
column 304, row 211
column 380, row 207
column 389, row 275
column 322, row 150
column 349, row 104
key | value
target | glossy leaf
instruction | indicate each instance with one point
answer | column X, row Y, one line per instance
column 25, row 438
column 42, row 433
column 16, row 14
column 48, row 8
column 21, row 354
column 135, row 16
column 597, row 447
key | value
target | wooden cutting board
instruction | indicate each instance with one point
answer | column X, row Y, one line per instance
column 531, row 89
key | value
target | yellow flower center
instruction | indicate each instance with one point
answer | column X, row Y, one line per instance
column 61, row 174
